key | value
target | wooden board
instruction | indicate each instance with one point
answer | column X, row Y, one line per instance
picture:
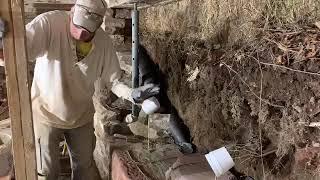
column 18, row 90
column 42, row 7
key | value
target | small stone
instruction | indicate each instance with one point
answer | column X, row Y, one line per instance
column 109, row 12
column 297, row 108
column 312, row 100
column 315, row 144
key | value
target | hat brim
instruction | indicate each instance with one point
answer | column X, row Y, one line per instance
column 80, row 18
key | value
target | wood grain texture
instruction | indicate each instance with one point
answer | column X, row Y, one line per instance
column 18, row 90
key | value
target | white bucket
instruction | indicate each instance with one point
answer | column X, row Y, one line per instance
column 220, row 161
column 5, row 153
column 151, row 105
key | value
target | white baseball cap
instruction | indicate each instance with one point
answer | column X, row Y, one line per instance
column 88, row 14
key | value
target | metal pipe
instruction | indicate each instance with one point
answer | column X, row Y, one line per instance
column 179, row 133
column 135, row 55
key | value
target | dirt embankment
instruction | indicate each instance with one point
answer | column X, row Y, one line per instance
column 244, row 75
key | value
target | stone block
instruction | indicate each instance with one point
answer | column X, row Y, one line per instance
column 113, row 30
column 114, row 22
column 158, row 126
column 123, row 13
column 117, row 40
column 125, row 61
column 102, row 157
column 109, row 12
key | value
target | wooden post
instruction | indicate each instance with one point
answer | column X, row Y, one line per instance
column 15, row 55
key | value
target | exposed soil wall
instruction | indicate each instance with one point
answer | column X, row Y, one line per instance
column 244, row 74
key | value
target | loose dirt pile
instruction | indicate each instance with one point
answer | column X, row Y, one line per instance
column 255, row 91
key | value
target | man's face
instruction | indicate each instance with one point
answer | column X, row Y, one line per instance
column 84, row 23
column 80, row 34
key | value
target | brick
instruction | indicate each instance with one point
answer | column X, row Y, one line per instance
column 123, row 14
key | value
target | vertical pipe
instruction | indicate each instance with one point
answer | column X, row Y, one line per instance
column 135, row 57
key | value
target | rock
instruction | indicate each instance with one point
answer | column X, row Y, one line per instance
column 125, row 61
column 6, row 159
column 125, row 168
column 159, row 125
column 160, row 121
column 117, row 40
column 141, row 129
column 109, row 12
column 114, row 22
column 123, row 13
column 102, row 157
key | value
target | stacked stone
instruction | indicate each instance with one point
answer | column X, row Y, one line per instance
column 117, row 23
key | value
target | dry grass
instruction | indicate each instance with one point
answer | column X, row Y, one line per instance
column 226, row 21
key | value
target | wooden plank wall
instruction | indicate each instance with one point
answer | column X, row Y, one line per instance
column 15, row 56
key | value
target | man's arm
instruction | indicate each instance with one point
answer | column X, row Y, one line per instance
column 38, row 37
column 37, row 34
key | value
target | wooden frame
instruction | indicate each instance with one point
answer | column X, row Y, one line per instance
column 15, row 55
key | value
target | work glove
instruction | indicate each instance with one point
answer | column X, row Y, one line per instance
column 144, row 92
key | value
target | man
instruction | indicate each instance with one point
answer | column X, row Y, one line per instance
column 72, row 54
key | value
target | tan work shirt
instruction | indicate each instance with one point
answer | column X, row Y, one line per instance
column 63, row 86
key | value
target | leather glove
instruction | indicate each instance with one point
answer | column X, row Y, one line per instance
column 144, row 92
